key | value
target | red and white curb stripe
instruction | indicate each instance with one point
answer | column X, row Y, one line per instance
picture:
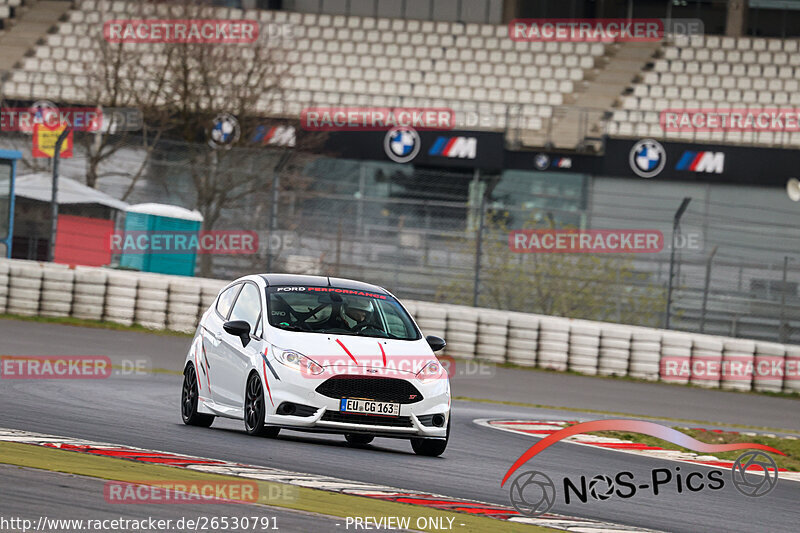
column 314, row 481
column 543, row 428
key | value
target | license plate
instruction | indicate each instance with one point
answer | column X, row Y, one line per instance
column 367, row 407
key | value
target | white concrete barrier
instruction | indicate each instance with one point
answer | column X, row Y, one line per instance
column 706, row 360
column 645, row 359
column 676, row 356
column 791, row 380
column 769, row 366
column 57, row 291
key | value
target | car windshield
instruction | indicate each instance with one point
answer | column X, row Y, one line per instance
column 339, row 311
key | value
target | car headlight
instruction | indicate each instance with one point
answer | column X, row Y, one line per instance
column 431, row 371
column 298, row 362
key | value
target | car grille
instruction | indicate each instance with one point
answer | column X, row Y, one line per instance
column 369, row 388
column 393, row 421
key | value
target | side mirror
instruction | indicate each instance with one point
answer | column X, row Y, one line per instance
column 238, row 328
column 436, row 343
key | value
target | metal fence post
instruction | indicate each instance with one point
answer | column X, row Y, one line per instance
column 54, row 198
column 478, row 240
column 676, row 221
column 705, row 289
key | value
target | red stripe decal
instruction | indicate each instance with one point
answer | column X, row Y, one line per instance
column 199, row 387
column 451, row 142
column 266, row 381
column 346, row 350
column 382, row 353
column 696, row 160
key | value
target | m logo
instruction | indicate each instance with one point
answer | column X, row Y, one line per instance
column 455, row 147
column 708, row 162
column 275, row 136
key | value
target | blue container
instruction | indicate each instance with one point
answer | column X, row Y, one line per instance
column 160, row 222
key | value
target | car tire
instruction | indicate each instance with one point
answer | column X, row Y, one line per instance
column 189, row 395
column 358, row 439
column 431, row 447
column 255, row 409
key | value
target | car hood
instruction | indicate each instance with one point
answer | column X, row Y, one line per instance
column 349, row 350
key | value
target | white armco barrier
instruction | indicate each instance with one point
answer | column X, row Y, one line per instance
column 645, row 359
column 553, row 343
column 121, row 297
column 177, row 303
column 615, row 350
column 769, row 366
column 57, row 291
column 3, row 286
column 462, row 330
column 523, row 338
column 737, row 364
column 706, row 360
column 492, row 336
column 676, row 356
column 584, row 346
column 791, row 380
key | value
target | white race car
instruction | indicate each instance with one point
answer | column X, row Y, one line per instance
column 321, row 354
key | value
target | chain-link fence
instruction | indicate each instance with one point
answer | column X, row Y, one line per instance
column 416, row 231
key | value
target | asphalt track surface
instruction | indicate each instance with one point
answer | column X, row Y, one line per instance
column 143, row 411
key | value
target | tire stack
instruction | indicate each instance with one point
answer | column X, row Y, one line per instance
column 462, row 331
column 615, row 351
column 737, row 364
column 24, row 288
column 553, row 343
column 768, row 366
column 57, row 290
column 676, row 357
column 431, row 319
column 3, row 285
column 492, row 336
column 121, row 297
column 584, row 347
column 706, row 361
column 645, row 360
column 151, row 301
column 89, row 293
column 791, row 380
column 523, row 339
column 209, row 289
column 182, row 306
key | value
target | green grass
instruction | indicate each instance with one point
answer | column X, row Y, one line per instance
column 617, row 413
column 791, row 447
column 299, row 498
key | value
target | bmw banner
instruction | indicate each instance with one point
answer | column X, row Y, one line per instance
column 659, row 160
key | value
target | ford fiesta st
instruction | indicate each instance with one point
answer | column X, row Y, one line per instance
column 318, row 354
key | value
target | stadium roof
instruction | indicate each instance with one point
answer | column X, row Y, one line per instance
column 39, row 187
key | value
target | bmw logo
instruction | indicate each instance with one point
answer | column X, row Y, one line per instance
column 401, row 144
column 541, row 161
column 225, row 131
column 647, row 158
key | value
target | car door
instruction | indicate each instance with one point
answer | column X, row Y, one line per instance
column 235, row 357
column 211, row 367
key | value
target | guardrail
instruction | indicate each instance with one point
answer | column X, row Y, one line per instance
column 595, row 348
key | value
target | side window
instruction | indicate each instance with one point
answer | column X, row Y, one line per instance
column 248, row 307
column 395, row 323
column 226, row 300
